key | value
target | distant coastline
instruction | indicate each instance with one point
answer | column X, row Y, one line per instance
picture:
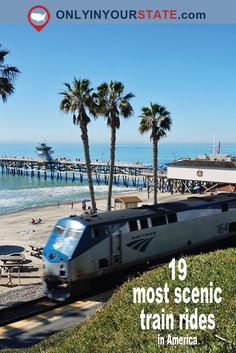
column 125, row 152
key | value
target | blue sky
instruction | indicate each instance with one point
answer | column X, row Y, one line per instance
column 191, row 69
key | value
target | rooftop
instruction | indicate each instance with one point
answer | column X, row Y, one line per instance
column 203, row 163
column 208, row 161
column 127, row 199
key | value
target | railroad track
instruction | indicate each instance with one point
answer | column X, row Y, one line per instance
column 43, row 304
column 43, row 318
column 26, row 309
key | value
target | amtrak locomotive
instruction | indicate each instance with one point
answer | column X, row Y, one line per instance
column 87, row 248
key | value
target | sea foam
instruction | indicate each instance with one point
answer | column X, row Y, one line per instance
column 18, row 199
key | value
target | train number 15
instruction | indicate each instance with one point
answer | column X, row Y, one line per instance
column 223, row 228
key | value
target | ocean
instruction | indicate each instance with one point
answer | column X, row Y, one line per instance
column 19, row 192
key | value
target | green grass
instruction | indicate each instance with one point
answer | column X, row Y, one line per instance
column 116, row 328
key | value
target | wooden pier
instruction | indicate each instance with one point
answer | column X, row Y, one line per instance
column 136, row 175
column 126, row 174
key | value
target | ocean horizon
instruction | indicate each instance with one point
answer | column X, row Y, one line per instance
column 20, row 192
column 125, row 152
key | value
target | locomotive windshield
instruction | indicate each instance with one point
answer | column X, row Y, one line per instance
column 65, row 237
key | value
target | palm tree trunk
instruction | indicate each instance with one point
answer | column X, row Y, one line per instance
column 84, row 137
column 155, row 156
column 112, row 164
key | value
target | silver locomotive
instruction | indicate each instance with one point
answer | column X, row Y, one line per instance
column 82, row 249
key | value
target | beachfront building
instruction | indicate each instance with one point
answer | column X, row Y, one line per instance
column 207, row 172
column 123, row 202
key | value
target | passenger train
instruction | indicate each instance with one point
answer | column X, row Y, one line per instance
column 82, row 249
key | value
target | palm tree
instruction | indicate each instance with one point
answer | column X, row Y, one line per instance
column 157, row 120
column 113, row 103
column 7, row 76
column 78, row 99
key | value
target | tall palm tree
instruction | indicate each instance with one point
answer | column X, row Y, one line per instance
column 78, row 99
column 112, row 104
column 155, row 119
column 7, row 76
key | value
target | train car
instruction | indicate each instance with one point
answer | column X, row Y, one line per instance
column 81, row 249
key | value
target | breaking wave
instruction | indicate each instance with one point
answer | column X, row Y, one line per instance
column 19, row 199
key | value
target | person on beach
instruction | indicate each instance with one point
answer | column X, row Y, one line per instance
column 39, row 220
column 72, row 205
column 33, row 221
column 83, row 205
column 58, row 204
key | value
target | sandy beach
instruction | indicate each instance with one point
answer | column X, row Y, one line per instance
column 17, row 233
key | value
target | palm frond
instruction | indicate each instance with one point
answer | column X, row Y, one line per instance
column 103, row 88
column 112, row 103
column 155, row 108
column 3, row 53
column 126, row 109
column 146, row 112
column 155, row 119
column 128, row 96
column 118, row 87
column 66, row 105
column 165, row 122
column 68, row 86
column 78, row 99
column 6, row 88
column 84, row 85
column 8, row 75
column 145, row 125
column 9, row 71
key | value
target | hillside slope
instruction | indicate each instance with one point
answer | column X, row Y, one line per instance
column 116, row 328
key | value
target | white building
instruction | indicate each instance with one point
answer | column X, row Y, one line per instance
column 209, row 168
